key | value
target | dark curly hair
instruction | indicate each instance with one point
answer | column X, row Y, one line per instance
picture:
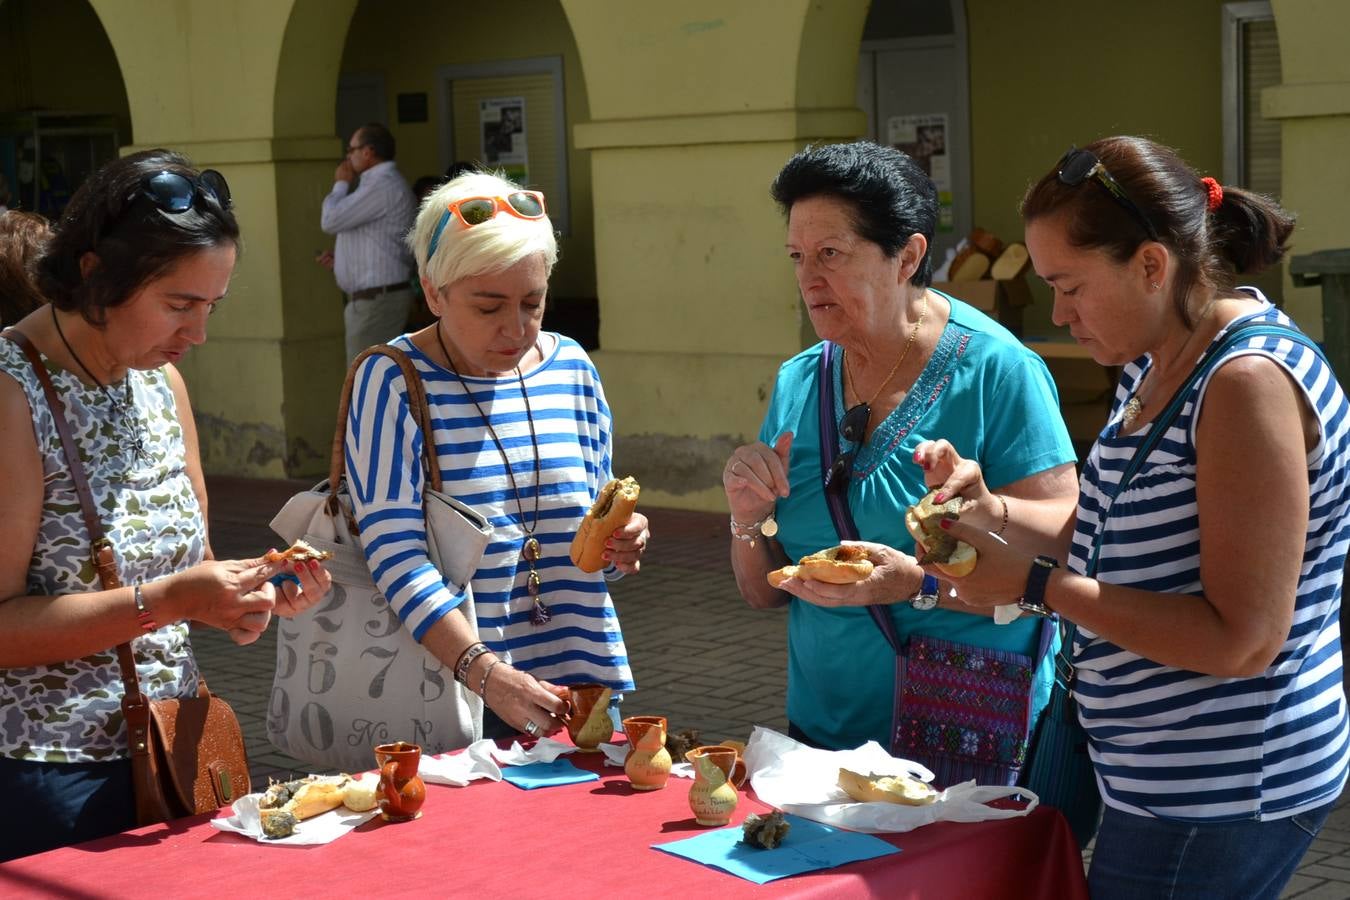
column 23, row 235
column 891, row 197
column 1247, row 233
column 133, row 239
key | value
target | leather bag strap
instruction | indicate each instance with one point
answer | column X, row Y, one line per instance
column 104, row 559
column 417, row 405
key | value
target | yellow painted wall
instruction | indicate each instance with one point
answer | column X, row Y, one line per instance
column 695, row 107
column 406, row 41
column 54, row 54
column 1313, row 104
column 1049, row 74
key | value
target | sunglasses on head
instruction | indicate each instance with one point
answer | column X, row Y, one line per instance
column 477, row 210
column 174, row 192
column 1077, row 166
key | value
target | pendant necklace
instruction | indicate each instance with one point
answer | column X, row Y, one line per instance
column 529, row 551
column 129, row 425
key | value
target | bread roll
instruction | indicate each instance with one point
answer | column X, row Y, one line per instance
column 1011, row 263
column 611, row 510
column 899, row 789
column 952, row 557
column 360, row 794
column 778, row 576
column 844, row 564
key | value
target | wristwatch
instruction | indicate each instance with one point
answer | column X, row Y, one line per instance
column 927, row 597
column 1033, row 598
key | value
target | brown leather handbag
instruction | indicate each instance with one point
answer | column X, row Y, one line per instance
column 187, row 754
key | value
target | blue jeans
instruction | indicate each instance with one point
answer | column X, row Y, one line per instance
column 62, row 803
column 1138, row 857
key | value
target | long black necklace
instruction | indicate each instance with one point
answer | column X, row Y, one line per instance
column 132, row 430
column 529, row 551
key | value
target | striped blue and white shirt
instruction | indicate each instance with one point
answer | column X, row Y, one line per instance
column 369, row 224
column 1176, row 744
column 573, row 428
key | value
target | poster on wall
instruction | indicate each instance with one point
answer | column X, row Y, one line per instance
column 502, row 123
column 924, row 138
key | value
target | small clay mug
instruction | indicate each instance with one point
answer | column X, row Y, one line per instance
column 401, row 792
column 713, row 796
column 589, row 723
column 647, row 764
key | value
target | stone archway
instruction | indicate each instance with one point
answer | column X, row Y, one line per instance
column 57, row 123
column 250, row 93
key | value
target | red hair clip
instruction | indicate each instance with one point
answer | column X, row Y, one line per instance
column 1215, row 192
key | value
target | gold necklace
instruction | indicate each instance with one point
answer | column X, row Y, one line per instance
column 1134, row 407
column 913, row 333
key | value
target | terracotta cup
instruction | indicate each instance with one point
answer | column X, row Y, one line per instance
column 589, row 723
column 647, row 764
column 713, row 796
column 401, row 792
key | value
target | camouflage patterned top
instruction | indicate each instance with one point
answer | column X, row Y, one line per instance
column 71, row 712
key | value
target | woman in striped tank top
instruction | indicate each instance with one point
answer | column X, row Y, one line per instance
column 1208, row 651
column 523, row 435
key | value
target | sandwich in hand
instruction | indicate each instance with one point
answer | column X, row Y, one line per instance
column 844, row 564
column 952, row 557
column 297, row 552
column 611, row 511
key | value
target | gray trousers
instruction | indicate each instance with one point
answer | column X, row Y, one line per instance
column 375, row 321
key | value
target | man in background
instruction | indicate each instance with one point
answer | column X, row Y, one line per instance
column 370, row 216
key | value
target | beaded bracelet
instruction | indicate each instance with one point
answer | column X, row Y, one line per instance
column 142, row 611
column 466, row 659
column 1003, row 526
column 482, row 685
column 766, row 526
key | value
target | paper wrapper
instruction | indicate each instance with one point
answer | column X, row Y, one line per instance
column 320, row 829
column 483, row 759
column 804, row 781
column 1006, row 614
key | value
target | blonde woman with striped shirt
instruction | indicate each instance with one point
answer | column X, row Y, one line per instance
column 524, row 436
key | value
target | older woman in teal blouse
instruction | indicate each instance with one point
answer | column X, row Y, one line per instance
column 925, row 386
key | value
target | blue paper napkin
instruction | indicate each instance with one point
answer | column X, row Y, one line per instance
column 546, row 774
column 808, row 846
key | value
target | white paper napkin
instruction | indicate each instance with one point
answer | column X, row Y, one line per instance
column 1006, row 614
column 320, row 829
column 483, row 759
column 615, row 754
column 804, row 781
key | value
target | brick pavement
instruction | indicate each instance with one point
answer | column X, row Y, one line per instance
column 700, row 656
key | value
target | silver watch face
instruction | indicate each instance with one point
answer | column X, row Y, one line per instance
column 924, row 602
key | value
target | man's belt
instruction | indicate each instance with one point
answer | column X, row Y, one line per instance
column 370, row 293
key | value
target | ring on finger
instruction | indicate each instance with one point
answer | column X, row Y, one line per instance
column 531, row 728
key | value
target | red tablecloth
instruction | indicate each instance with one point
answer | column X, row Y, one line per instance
column 590, row 840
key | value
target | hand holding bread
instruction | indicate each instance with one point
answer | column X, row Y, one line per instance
column 923, row 521
column 844, row 564
column 611, row 511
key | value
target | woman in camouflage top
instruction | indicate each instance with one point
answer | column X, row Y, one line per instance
column 142, row 256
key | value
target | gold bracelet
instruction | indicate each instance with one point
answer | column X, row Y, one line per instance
column 482, row 685
column 1004, row 525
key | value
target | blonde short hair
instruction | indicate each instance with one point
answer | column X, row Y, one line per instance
column 492, row 246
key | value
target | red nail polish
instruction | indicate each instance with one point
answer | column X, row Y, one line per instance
column 946, row 524
column 917, row 458
column 940, row 497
